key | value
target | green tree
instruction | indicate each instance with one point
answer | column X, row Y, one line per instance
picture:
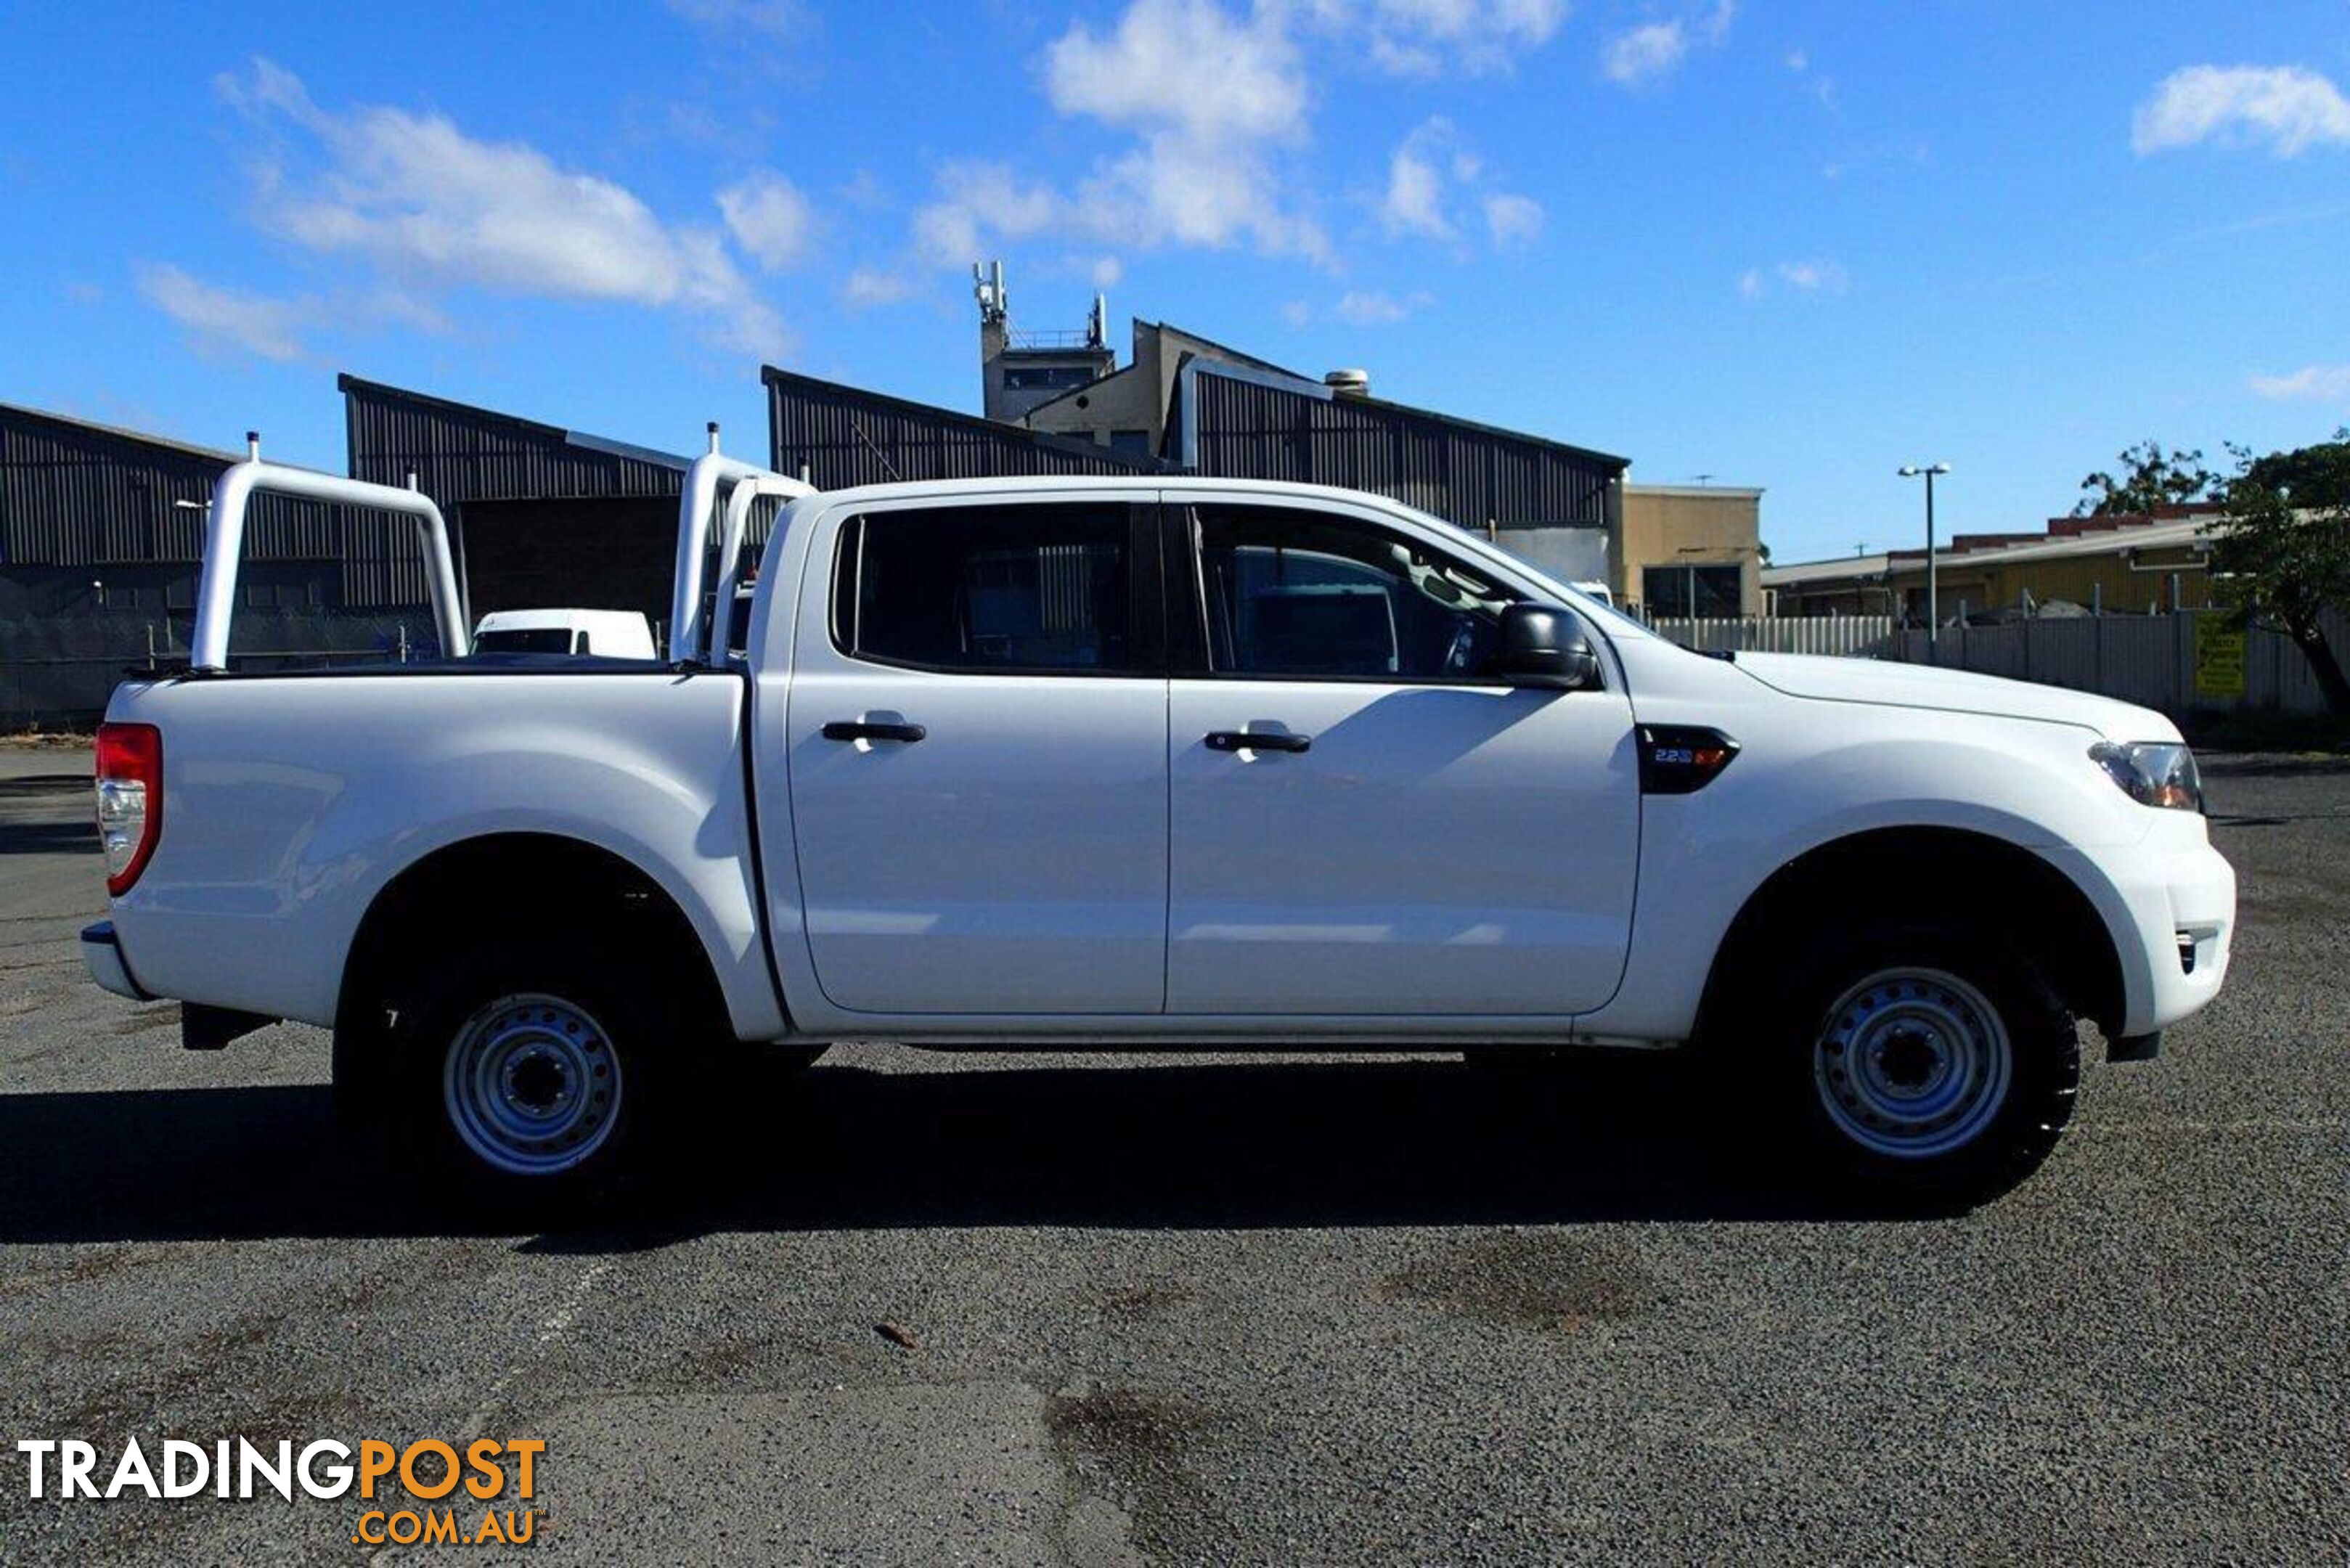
column 2151, row 477
column 2281, row 552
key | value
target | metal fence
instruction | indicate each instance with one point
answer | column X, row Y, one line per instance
column 56, row 671
column 2177, row 662
column 1861, row 636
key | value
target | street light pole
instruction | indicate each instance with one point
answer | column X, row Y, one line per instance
column 1933, row 608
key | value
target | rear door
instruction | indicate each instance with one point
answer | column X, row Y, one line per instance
column 977, row 738
column 1362, row 822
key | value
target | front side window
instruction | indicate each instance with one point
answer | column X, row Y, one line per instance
column 1044, row 587
column 1310, row 595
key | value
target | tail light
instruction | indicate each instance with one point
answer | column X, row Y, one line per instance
column 129, row 799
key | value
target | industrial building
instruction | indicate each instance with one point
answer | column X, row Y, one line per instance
column 101, row 529
column 538, row 515
column 1690, row 550
column 96, row 521
column 1059, row 402
column 2135, row 565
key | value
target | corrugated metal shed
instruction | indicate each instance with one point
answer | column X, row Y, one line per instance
column 1471, row 473
column 77, row 493
column 843, row 436
column 459, row 453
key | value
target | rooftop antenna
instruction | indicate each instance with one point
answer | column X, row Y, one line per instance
column 1705, row 479
column 987, row 287
column 1098, row 324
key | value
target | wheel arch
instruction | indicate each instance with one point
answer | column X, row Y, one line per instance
column 1950, row 874
column 458, row 891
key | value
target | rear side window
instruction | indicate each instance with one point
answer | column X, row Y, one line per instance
column 1041, row 587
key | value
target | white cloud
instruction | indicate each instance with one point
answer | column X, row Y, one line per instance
column 1801, row 277
column 867, row 288
column 1214, row 101
column 982, row 202
column 769, row 218
column 1210, row 96
column 785, row 20
column 1419, row 200
column 432, row 207
column 1823, row 87
column 229, row 319
column 1812, row 276
column 1414, row 203
column 2311, row 383
column 2285, row 108
column 1513, row 221
column 1432, row 37
column 1186, row 65
column 1104, row 272
column 1362, row 308
column 1639, row 56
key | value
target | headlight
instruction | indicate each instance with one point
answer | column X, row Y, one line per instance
column 2152, row 772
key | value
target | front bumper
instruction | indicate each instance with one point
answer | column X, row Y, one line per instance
column 2182, row 912
column 101, row 954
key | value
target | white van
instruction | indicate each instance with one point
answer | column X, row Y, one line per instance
column 607, row 633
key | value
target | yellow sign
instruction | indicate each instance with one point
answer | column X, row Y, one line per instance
column 2218, row 658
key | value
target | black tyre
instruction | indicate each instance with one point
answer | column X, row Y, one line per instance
column 540, row 1076
column 1927, row 1063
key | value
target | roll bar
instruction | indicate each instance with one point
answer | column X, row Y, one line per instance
column 710, row 475
column 224, row 546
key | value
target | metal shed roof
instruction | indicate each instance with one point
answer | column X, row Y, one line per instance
column 843, row 436
column 460, row 452
column 74, row 492
column 1264, row 427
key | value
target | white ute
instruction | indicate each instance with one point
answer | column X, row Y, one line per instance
column 1131, row 761
column 607, row 633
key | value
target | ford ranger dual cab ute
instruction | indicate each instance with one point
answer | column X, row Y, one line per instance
column 1134, row 762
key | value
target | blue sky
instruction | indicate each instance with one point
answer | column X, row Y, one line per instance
column 1786, row 244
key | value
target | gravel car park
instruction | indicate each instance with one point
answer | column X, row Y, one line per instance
column 1195, row 1308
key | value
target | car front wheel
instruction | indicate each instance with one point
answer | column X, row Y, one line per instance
column 1930, row 1065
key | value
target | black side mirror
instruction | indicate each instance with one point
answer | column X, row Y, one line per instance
column 1544, row 647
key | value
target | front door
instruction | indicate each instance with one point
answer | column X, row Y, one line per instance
column 978, row 760
column 1362, row 821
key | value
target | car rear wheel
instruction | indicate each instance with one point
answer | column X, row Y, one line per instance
column 531, row 1085
column 1930, row 1065
column 540, row 1077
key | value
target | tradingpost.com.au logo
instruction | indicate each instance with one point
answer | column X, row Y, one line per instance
column 431, row 1490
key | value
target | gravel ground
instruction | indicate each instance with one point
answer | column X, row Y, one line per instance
column 1088, row 1310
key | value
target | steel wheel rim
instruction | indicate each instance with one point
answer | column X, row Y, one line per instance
column 531, row 1085
column 1913, row 1063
